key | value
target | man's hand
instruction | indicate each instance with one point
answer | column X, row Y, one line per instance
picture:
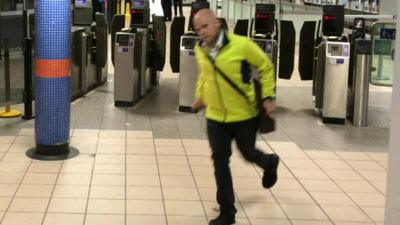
column 269, row 106
column 197, row 105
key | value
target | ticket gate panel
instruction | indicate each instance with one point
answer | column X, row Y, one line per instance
column 126, row 79
column 270, row 47
column 188, row 72
column 335, row 82
column 144, row 74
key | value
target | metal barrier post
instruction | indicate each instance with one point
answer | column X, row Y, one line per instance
column 28, row 89
column 8, row 113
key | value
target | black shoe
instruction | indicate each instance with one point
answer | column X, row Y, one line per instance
column 223, row 220
column 270, row 174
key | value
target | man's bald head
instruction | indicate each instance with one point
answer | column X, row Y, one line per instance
column 207, row 26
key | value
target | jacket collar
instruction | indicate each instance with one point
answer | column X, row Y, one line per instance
column 225, row 39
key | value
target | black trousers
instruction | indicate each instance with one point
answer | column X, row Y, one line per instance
column 167, row 9
column 178, row 3
column 220, row 136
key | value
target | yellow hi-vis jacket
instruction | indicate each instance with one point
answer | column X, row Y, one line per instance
column 235, row 59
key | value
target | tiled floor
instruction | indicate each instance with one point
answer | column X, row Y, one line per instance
column 129, row 177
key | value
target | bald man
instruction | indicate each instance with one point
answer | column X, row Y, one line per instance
column 232, row 115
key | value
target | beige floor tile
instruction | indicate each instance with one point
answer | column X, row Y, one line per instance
column 242, row 221
column 287, row 185
column 1, row 215
column 27, row 132
column 380, row 185
column 384, row 164
column 353, row 155
column 198, row 151
column 8, row 190
column 40, row 178
column 14, row 167
column 332, row 198
column 139, row 134
column 4, row 147
column 185, row 220
column 145, row 219
column 45, row 167
column 256, row 196
column 110, row 158
column 143, row 193
column 184, row 208
column 170, row 150
column 368, row 199
column 262, row 210
column 109, row 169
column 207, row 194
column 145, row 207
column 181, row 170
column 292, row 197
column 24, row 140
column 15, row 157
column 140, row 150
column 71, row 191
column 29, row 205
column 67, row 205
column 140, row 142
column 7, row 139
column 96, row 219
column 247, row 183
column 377, row 214
column 356, row 186
column 142, row 169
column 106, row 206
column 241, row 171
column 35, row 190
column 63, row 219
column 20, row 147
column 283, row 145
column 333, row 164
column 110, row 149
column 354, row 223
column 141, row 159
column 19, row 218
column 257, row 221
column 85, row 133
column 205, row 181
column 84, row 140
column 238, row 160
column 311, row 222
column 85, row 148
column 108, row 179
column 178, row 193
column 320, row 185
column 343, row 174
column 315, row 154
column 142, row 180
column 379, row 156
column 168, row 142
column 315, row 174
column 74, row 179
column 112, row 133
column 195, row 143
column 200, row 161
column 177, row 181
column 345, row 213
column 300, row 163
column 77, row 168
column 171, row 160
column 107, row 192
column 304, row 212
column 374, row 175
column 366, row 165
column 283, row 172
column 291, row 154
column 104, row 142
column 4, row 203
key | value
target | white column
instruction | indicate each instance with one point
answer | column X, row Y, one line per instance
column 392, row 212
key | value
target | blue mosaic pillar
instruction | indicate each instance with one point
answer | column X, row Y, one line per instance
column 52, row 77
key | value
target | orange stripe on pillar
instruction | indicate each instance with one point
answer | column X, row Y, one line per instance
column 58, row 68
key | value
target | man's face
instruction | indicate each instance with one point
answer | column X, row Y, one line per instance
column 207, row 28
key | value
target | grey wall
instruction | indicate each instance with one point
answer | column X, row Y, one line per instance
column 388, row 7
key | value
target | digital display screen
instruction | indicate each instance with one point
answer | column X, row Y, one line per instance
column 335, row 50
column 331, row 26
column 136, row 11
column 138, row 4
column 387, row 33
column 123, row 39
column 81, row 2
column 189, row 43
column 264, row 23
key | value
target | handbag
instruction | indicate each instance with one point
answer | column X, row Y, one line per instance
column 266, row 123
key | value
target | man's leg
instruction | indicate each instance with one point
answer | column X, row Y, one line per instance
column 220, row 141
column 245, row 136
